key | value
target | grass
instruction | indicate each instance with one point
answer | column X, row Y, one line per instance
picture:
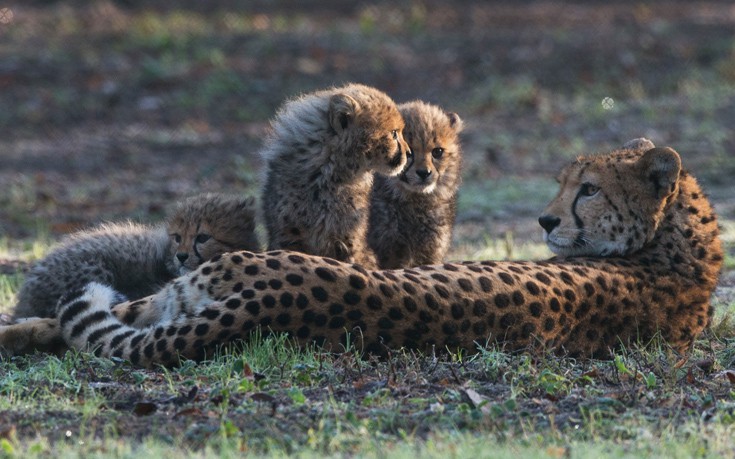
column 273, row 399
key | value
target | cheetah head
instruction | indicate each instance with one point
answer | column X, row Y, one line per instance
column 206, row 225
column 433, row 136
column 369, row 122
column 611, row 205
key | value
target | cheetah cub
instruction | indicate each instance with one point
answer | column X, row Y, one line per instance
column 412, row 214
column 320, row 159
column 135, row 259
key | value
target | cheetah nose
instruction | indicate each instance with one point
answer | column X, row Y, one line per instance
column 182, row 256
column 423, row 173
column 549, row 222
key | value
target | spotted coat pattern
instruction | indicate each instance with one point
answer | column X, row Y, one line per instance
column 135, row 259
column 583, row 306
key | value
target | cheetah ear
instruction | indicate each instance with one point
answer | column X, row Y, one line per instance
column 640, row 143
column 660, row 167
column 342, row 109
column 455, row 122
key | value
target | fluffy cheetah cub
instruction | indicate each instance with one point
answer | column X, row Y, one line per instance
column 320, row 159
column 412, row 214
column 135, row 259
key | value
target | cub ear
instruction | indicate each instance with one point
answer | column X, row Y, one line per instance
column 455, row 122
column 342, row 109
column 660, row 167
column 640, row 143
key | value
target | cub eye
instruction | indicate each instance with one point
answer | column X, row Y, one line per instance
column 437, row 152
column 176, row 238
column 589, row 189
column 394, row 133
column 201, row 238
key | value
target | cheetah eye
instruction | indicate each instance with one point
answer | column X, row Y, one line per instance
column 176, row 238
column 202, row 238
column 394, row 133
column 437, row 152
column 589, row 189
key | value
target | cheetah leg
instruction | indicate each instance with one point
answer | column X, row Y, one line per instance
column 32, row 334
column 168, row 304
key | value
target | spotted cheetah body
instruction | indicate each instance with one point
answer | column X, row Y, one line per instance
column 581, row 305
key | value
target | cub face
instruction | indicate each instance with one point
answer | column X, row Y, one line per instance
column 433, row 137
column 612, row 205
column 208, row 225
column 369, row 124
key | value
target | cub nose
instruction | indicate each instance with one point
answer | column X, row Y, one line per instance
column 423, row 173
column 549, row 222
column 182, row 257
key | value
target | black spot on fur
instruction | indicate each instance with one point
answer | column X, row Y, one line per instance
column 319, row 293
column 325, row 274
column 357, row 282
column 374, row 302
column 506, row 278
column 294, row 279
column 502, row 300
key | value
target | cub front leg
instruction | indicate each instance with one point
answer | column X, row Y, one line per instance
column 32, row 334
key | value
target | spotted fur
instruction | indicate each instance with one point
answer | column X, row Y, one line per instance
column 412, row 214
column 320, row 158
column 135, row 259
column 581, row 305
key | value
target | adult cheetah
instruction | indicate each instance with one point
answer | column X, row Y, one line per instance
column 636, row 203
column 320, row 159
column 412, row 214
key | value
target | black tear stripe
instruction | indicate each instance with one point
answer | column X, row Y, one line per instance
column 396, row 159
column 579, row 240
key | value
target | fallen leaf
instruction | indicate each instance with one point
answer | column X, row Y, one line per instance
column 593, row 373
column 247, row 371
column 730, row 376
column 189, row 412
column 690, row 376
column 144, row 408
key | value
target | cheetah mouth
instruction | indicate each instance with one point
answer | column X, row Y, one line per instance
column 183, row 270
column 561, row 245
column 426, row 187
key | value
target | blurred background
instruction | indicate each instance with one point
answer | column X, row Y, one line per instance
column 114, row 109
